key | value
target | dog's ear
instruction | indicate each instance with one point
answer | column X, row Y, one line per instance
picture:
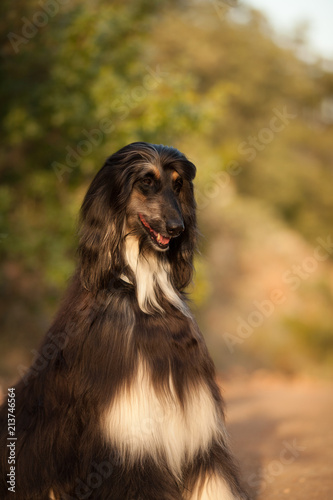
column 182, row 248
column 102, row 220
column 101, row 230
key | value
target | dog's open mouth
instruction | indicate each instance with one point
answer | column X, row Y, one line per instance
column 161, row 241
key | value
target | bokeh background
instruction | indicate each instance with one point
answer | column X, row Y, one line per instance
column 251, row 108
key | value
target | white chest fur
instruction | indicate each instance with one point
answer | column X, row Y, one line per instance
column 142, row 423
column 151, row 273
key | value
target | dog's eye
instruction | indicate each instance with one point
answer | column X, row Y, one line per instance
column 147, row 181
column 178, row 184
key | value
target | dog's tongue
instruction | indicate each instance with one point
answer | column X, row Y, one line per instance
column 161, row 239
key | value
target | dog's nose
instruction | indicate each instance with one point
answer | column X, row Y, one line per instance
column 175, row 227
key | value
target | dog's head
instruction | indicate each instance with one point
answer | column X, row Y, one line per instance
column 145, row 191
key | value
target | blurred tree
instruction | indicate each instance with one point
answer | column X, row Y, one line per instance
column 72, row 80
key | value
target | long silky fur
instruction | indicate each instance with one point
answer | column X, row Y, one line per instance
column 99, row 341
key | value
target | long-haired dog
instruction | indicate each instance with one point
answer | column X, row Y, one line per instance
column 121, row 403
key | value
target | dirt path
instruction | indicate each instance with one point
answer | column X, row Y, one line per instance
column 282, row 434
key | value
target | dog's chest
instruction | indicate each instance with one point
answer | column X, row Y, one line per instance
column 141, row 422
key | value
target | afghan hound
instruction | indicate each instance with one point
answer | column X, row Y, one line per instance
column 121, row 402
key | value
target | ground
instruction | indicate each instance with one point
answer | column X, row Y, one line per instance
column 281, row 431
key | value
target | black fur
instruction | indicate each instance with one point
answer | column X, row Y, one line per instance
column 86, row 358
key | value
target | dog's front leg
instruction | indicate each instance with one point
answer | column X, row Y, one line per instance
column 213, row 487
